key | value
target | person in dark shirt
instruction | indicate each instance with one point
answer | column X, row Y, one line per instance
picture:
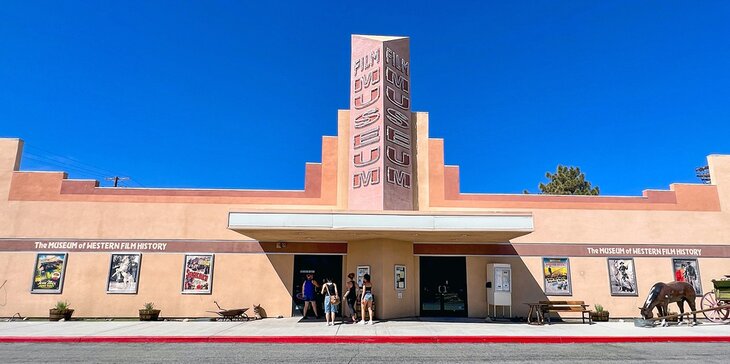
column 308, row 291
column 350, row 296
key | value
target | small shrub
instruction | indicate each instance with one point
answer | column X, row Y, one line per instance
column 61, row 305
column 599, row 308
column 149, row 306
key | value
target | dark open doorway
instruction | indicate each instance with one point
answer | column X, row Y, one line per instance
column 322, row 266
column 443, row 286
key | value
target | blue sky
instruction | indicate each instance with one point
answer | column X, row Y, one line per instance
column 234, row 95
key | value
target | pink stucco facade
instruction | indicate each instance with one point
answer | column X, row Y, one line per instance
column 45, row 212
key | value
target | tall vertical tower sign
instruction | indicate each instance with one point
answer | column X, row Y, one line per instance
column 381, row 174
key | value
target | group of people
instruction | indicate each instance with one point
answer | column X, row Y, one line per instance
column 350, row 296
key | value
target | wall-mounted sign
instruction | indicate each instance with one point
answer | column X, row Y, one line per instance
column 124, row 273
column 639, row 251
column 688, row 270
column 556, row 273
column 362, row 270
column 381, row 132
column 171, row 246
column 622, row 277
column 49, row 272
column 197, row 274
column 400, row 277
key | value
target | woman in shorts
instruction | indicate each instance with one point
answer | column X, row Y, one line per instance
column 329, row 289
column 367, row 298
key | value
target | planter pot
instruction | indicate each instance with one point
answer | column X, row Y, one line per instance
column 57, row 315
column 599, row 316
column 149, row 315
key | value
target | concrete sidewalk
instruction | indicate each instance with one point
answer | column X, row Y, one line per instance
column 293, row 330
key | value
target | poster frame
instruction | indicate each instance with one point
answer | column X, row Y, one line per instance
column 396, row 269
column 136, row 278
column 61, row 280
column 698, row 289
column 569, row 292
column 360, row 272
column 613, row 260
column 210, row 274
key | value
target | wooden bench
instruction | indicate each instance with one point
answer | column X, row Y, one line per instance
column 566, row 306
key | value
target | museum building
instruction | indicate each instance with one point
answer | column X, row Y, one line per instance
column 381, row 201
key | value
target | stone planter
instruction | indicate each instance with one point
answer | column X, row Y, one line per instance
column 599, row 316
column 57, row 315
column 149, row 315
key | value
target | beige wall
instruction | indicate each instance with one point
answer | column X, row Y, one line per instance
column 245, row 279
column 524, row 286
column 589, row 281
column 239, row 280
column 382, row 255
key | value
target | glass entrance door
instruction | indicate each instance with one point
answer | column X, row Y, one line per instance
column 443, row 286
column 321, row 267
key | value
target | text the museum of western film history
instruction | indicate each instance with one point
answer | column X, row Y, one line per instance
column 101, row 245
column 368, row 88
column 633, row 251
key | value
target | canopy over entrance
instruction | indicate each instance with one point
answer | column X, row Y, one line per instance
column 299, row 226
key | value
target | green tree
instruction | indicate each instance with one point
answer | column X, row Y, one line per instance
column 567, row 181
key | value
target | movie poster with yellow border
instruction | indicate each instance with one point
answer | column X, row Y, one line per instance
column 556, row 274
column 48, row 272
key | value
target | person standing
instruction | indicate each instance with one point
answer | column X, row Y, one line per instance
column 350, row 296
column 367, row 298
column 329, row 289
column 679, row 274
column 308, row 289
column 690, row 275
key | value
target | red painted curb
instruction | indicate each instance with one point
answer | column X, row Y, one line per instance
column 364, row 339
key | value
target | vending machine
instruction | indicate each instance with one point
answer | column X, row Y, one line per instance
column 499, row 289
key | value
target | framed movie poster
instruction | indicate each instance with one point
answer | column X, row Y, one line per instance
column 556, row 272
column 362, row 270
column 687, row 270
column 123, row 274
column 197, row 274
column 622, row 277
column 48, row 272
column 400, row 277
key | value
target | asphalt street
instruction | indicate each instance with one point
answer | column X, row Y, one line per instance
column 365, row 353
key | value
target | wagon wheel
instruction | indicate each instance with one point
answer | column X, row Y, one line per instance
column 709, row 301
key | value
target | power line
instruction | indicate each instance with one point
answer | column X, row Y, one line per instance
column 116, row 179
column 67, row 164
column 68, row 161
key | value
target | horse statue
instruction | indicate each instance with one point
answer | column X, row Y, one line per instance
column 662, row 294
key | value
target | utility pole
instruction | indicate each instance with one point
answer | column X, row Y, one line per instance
column 116, row 179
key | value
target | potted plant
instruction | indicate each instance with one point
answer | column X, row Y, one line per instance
column 149, row 313
column 60, row 311
column 599, row 314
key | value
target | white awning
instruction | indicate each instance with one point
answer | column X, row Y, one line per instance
column 296, row 226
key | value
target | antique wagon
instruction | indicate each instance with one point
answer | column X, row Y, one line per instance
column 717, row 302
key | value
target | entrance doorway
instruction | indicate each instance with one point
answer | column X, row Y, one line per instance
column 322, row 266
column 443, row 286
